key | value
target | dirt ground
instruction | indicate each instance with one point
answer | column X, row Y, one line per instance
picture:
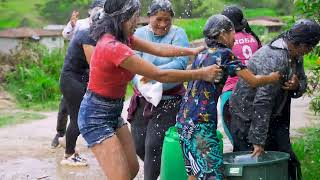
column 25, row 151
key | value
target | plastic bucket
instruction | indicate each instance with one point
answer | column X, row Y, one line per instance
column 271, row 165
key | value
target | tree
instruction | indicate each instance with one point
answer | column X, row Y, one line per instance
column 59, row 11
column 308, row 8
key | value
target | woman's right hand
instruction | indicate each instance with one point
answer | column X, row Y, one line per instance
column 275, row 76
column 210, row 73
column 197, row 50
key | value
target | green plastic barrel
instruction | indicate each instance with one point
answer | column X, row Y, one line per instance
column 172, row 162
column 271, row 165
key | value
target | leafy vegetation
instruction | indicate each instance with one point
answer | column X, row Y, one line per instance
column 38, row 13
column 193, row 27
column 307, row 149
column 35, row 81
column 59, row 11
column 310, row 9
column 10, row 118
column 16, row 13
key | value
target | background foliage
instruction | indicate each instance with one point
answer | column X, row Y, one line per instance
column 37, row 13
column 35, row 80
column 310, row 9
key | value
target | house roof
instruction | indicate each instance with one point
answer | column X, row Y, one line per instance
column 28, row 32
column 54, row 27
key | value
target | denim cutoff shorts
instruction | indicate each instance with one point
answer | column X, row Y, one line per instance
column 99, row 117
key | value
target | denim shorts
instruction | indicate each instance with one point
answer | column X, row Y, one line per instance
column 99, row 117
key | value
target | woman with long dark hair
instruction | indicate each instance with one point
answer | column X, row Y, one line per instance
column 112, row 67
column 261, row 116
column 246, row 44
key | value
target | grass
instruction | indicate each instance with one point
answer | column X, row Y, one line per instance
column 35, row 81
column 307, row 149
column 11, row 118
column 16, row 12
column 257, row 12
column 193, row 27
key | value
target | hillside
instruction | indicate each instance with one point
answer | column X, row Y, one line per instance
column 15, row 13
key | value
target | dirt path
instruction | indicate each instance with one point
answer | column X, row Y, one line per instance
column 25, row 151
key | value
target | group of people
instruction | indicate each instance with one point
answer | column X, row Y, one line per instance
column 256, row 84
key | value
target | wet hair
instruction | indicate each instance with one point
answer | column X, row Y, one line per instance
column 97, row 3
column 115, row 12
column 95, row 13
column 160, row 5
column 304, row 31
column 214, row 26
column 235, row 14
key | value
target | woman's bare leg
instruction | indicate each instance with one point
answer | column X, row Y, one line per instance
column 126, row 140
column 112, row 159
column 192, row 178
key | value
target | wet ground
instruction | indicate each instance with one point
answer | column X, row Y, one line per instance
column 25, row 151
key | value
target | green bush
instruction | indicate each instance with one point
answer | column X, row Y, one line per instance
column 312, row 62
column 310, row 9
column 307, row 149
column 16, row 13
column 193, row 27
column 35, row 81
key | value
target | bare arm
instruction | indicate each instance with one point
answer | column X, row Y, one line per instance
column 258, row 80
column 137, row 65
column 88, row 51
column 68, row 31
column 164, row 50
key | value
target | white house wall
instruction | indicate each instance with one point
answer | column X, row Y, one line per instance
column 7, row 44
column 52, row 42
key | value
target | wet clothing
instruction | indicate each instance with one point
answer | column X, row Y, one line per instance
column 148, row 134
column 62, row 118
column 73, row 83
column 75, row 59
column 264, row 101
column 265, row 117
column 148, row 108
column 99, row 117
column 176, row 36
column 100, row 110
column 278, row 139
column 149, row 123
column 197, row 116
column 202, row 153
column 107, row 78
column 244, row 46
